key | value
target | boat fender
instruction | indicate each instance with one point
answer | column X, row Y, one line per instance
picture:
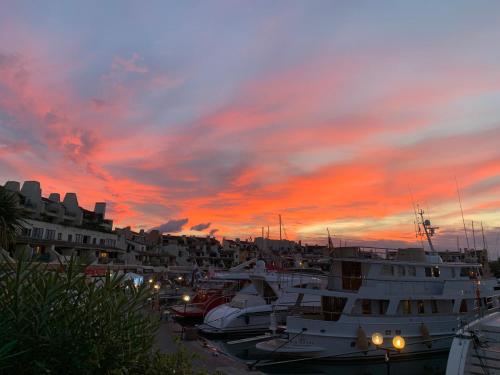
column 362, row 340
column 425, row 335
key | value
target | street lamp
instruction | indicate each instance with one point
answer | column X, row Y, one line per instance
column 157, row 296
column 186, row 298
column 377, row 339
column 398, row 342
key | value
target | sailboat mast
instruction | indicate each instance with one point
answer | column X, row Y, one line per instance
column 484, row 239
column 462, row 211
column 263, row 243
column 473, row 235
column 280, row 227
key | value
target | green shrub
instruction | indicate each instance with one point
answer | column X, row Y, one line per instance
column 56, row 322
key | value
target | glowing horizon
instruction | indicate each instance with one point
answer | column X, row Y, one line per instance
column 231, row 113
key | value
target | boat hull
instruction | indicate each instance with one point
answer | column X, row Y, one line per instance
column 227, row 320
column 340, row 340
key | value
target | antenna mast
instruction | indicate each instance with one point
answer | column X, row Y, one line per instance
column 417, row 227
column 330, row 244
column 428, row 229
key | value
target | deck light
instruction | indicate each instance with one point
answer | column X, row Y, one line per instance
column 377, row 339
column 398, row 342
column 157, row 286
column 150, row 281
column 179, row 278
column 186, row 298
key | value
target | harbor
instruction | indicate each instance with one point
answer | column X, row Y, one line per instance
column 238, row 187
column 268, row 305
column 373, row 312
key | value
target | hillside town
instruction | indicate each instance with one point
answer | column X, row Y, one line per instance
column 58, row 228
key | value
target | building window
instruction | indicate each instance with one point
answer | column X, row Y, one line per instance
column 101, row 242
column 59, row 236
column 70, row 238
column 26, row 232
column 78, row 238
column 428, row 272
column 38, row 232
column 94, row 241
column 50, row 234
column 110, row 242
column 86, row 239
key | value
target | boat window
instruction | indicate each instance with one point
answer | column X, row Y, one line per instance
column 469, row 272
column 463, row 306
column 434, row 306
column 366, row 306
column 453, row 272
column 383, row 306
column 387, row 270
column 401, row 271
column 412, row 271
column 406, row 306
column 332, row 307
column 428, row 272
column 435, row 271
column 351, row 275
column 420, row 307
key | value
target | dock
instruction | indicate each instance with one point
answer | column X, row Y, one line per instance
column 209, row 356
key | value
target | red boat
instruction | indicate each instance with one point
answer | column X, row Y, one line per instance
column 207, row 298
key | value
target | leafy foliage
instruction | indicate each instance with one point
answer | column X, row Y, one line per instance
column 11, row 217
column 56, row 322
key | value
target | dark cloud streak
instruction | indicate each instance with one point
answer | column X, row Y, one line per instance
column 200, row 227
column 172, row 226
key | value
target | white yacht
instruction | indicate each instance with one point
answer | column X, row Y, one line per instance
column 250, row 310
column 476, row 348
column 405, row 296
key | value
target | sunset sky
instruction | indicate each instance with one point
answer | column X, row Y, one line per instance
column 205, row 115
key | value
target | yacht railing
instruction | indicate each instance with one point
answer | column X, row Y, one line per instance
column 420, row 285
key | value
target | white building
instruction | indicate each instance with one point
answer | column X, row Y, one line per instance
column 58, row 229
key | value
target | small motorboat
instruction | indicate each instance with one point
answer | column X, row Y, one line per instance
column 476, row 348
column 209, row 296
